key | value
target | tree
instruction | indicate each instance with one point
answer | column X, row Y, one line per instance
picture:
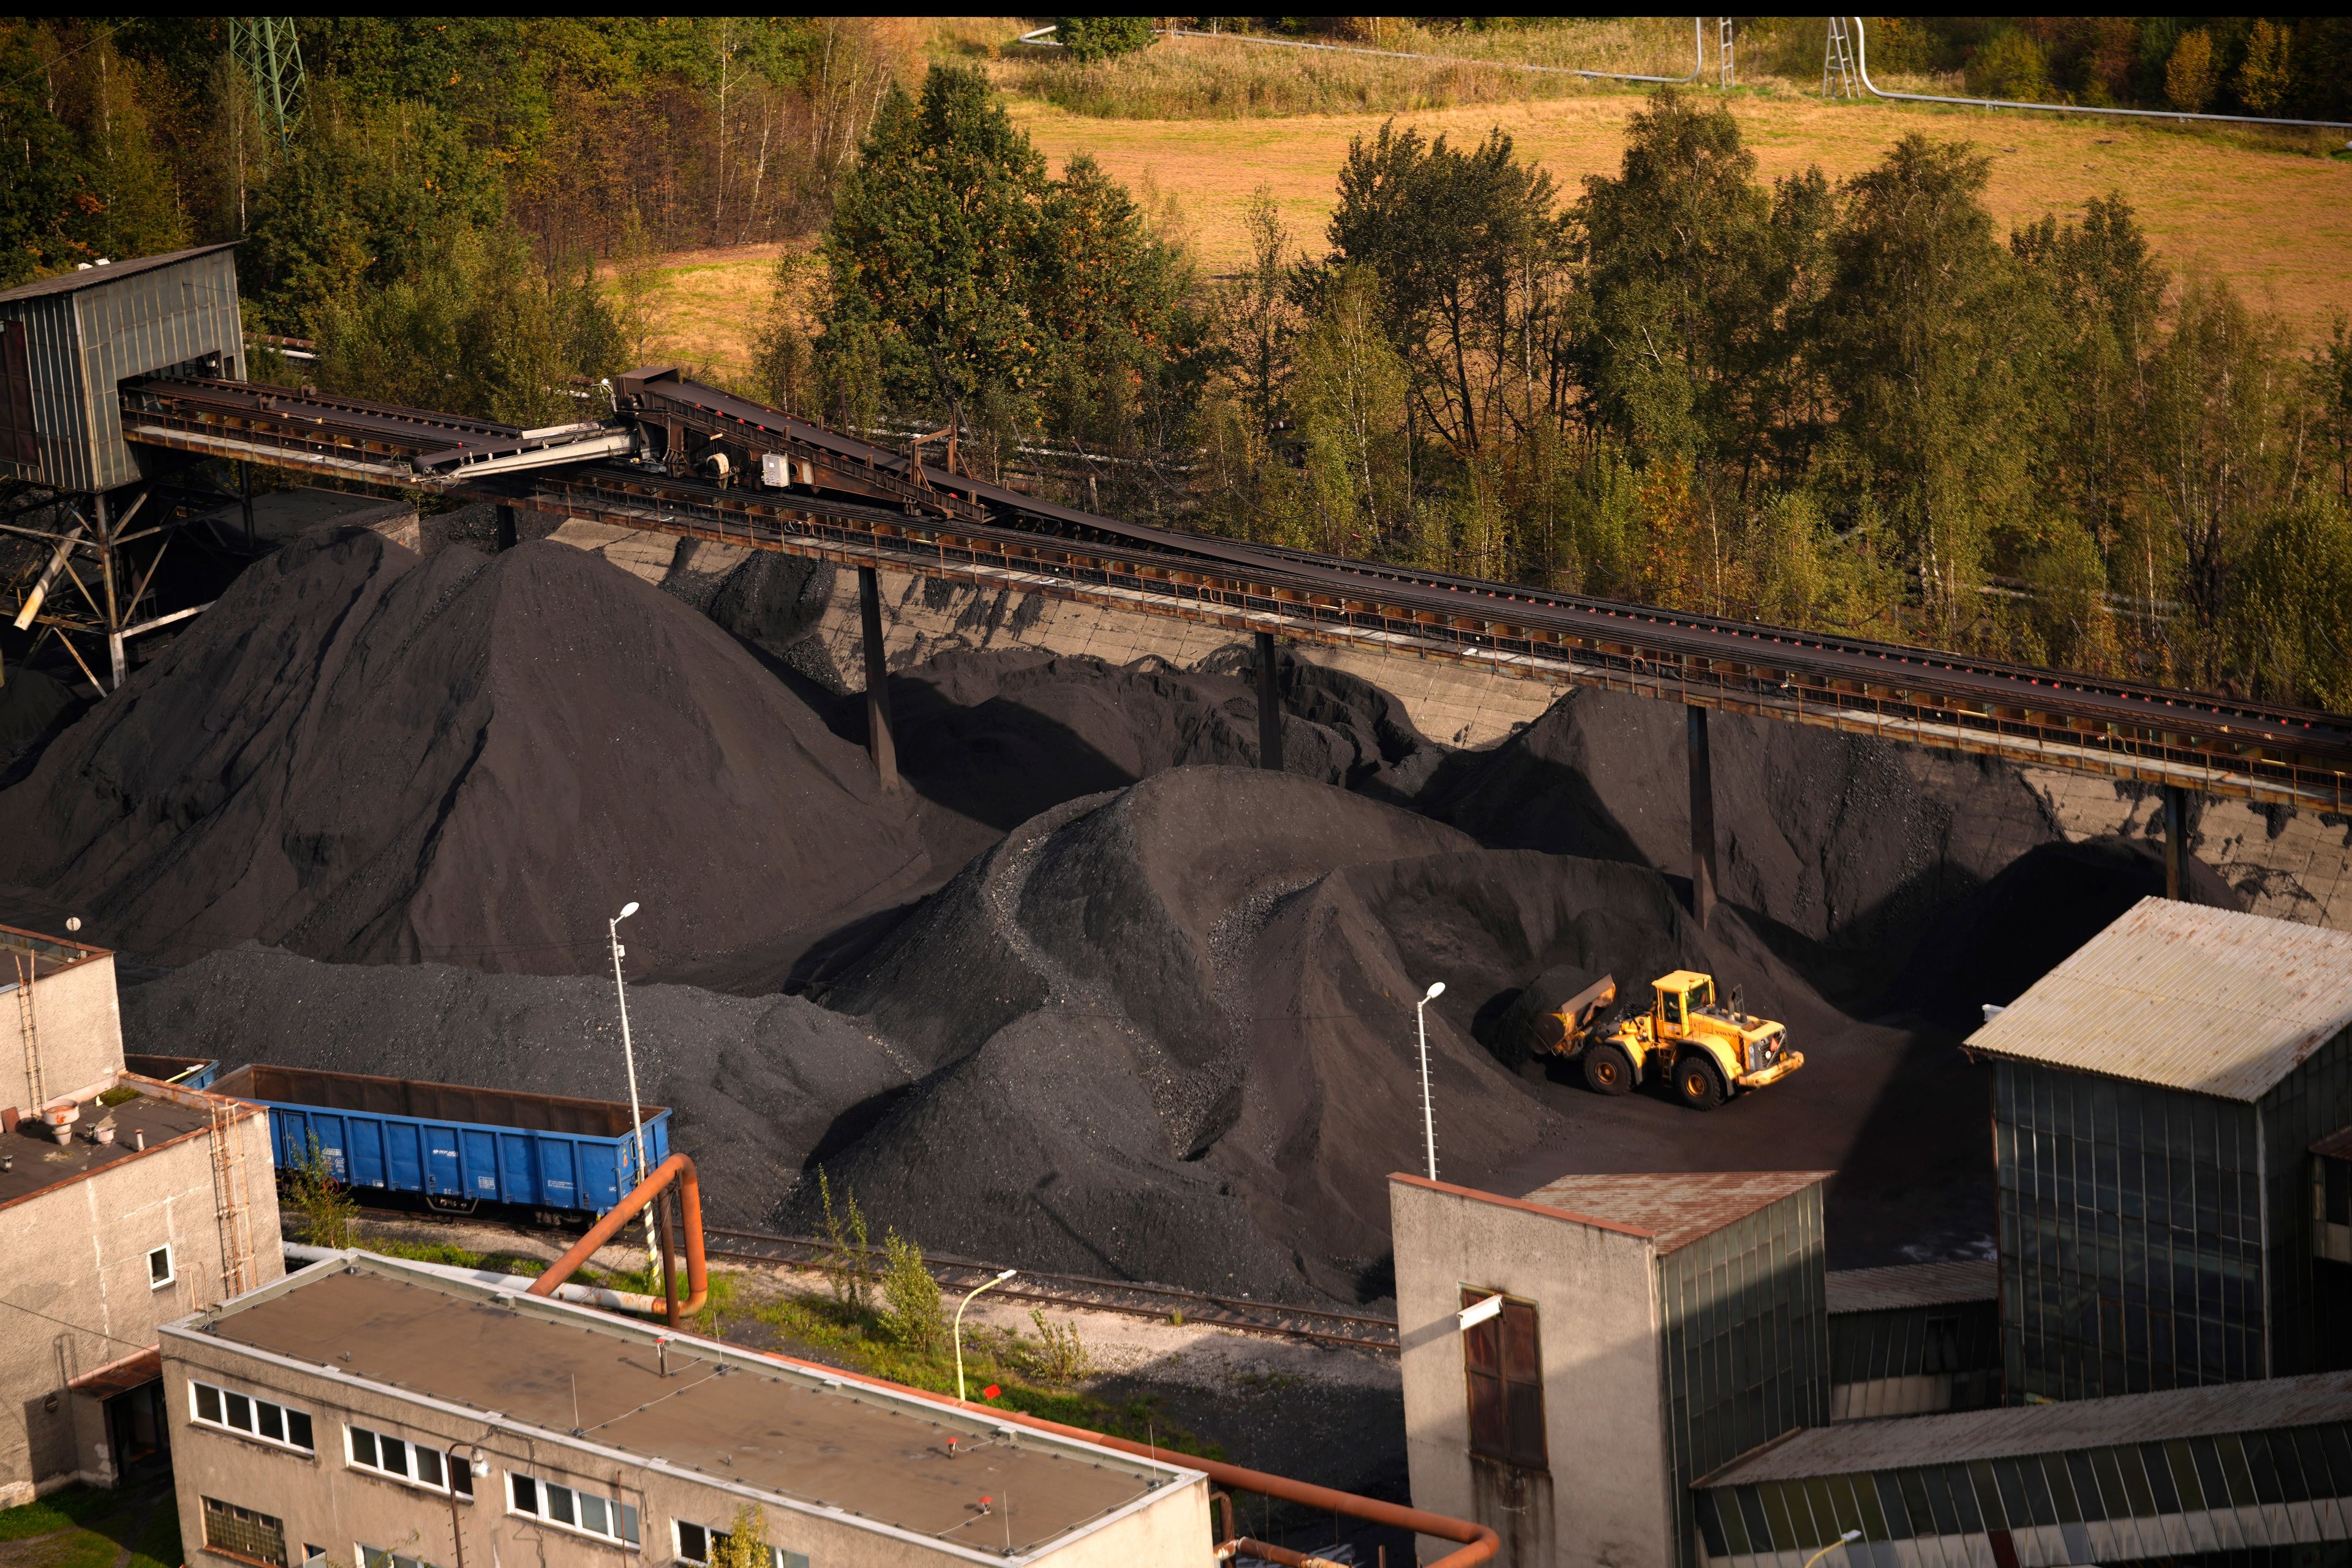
column 744, row 1542
column 911, row 1296
column 1470, row 256
column 1090, row 38
column 1350, row 398
column 1929, row 349
column 2189, row 76
column 2009, row 66
column 2265, row 77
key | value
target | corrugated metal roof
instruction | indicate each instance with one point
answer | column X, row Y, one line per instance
column 1913, row 1285
column 2185, row 997
column 67, row 282
column 1853, row 1447
column 1676, row 1207
column 2336, row 1145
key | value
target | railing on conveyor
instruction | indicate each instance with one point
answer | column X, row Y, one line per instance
column 855, row 504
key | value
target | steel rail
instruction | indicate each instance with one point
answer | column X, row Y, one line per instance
column 1079, row 1292
column 2123, row 730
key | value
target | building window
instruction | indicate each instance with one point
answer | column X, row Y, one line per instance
column 1504, row 1364
column 159, row 1267
column 588, row 1514
column 377, row 1557
column 699, row 1544
column 419, row 1464
column 257, row 1418
column 241, row 1532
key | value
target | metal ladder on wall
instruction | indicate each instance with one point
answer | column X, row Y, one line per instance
column 28, row 1022
column 228, row 1196
column 1837, row 62
column 1723, row 50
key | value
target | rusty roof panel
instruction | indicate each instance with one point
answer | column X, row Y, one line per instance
column 1676, row 1207
column 2334, row 1146
column 1855, row 1448
column 1913, row 1285
column 2186, row 997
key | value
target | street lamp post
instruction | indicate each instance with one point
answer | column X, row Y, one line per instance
column 983, row 1285
column 1428, row 1118
column 629, row 1056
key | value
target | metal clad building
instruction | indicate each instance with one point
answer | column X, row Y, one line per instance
column 1914, row 1339
column 2247, row 1474
column 2156, row 1097
column 65, row 342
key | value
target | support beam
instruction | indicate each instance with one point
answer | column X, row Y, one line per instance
column 1702, row 818
column 506, row 528
column 2175, row 840
column 879, row 741
column 244, row 498
column 1269, row 705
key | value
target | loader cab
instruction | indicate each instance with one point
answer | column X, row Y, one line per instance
column 1680, row 995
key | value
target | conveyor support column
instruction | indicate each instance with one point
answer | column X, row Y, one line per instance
column 1702, row 818
column 1269, row 705
column 506, row 528
column 879, row 742
column 2175, row 840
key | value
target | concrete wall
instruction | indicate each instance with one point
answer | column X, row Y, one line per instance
column 324, row 1502
column 76, row 1269
column 1605, row 1498
column 77, row 1023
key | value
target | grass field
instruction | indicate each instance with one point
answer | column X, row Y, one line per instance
column 2263, row 212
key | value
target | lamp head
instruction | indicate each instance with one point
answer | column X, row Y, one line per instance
column 626, row 911
column 1006, row 1275
column 1436, row 990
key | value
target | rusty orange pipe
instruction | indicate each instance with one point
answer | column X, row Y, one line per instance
column 697, row 1275
column 1478, row 1542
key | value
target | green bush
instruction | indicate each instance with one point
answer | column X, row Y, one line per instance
column 911, row 1313
column 1102, row 37
column 2009, row 66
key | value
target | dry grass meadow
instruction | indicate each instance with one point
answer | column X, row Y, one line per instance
column 2262, row 211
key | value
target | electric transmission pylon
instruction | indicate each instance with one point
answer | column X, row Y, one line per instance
column 265, row 49
column 1837, row 63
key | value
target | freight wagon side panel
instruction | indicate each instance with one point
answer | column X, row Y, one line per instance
column 478, row 1157
column 404, row 1152
column 443, row 1178
column 519, row 1169
column 364, row 1146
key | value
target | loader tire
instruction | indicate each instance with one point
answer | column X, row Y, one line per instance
column 1698, row 1083
column 1608, row 1069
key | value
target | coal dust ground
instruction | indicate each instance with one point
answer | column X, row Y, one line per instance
column 1092, row 992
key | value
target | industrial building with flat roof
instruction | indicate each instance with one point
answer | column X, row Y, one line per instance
column 1649, row 1328
column 2156, row 1100
column 373, row 1411
column 2258, row 1471
column 124, row 1202
column 1914, row 1339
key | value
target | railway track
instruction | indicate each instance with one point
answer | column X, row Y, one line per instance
column 1124, row 1297
column 955, row 1275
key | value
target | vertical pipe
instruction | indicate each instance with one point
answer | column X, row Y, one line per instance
column 245, row 495
column 1702, row 818
column 669, row 1260
column 878, row 738
column 506, row 527
column 106, row 531
column 1269, row 705
column 2176, row 844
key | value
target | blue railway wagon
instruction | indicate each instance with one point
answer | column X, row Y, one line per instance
column 454, row 1144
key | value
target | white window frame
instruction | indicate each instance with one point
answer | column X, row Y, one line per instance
column 171, row 1270
column 613, row 1506
column 711, row 1536
column 197, row 1390
column 376, row 1439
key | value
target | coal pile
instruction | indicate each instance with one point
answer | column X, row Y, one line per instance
column 1845, row 840
column 991, row 738
column 758, row 1086
column 361, row 755
column 34, row 709
column 1168, row 1032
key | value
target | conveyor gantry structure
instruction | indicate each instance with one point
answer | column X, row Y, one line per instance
column 678, row 458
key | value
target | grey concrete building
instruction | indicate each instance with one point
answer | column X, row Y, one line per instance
column 2156, row 1100
column 2232, row 1476
column 155, row 1201
column 372, row 1412
column 1625, row 1334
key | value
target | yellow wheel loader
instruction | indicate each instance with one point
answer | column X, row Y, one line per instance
column 1710, row 1051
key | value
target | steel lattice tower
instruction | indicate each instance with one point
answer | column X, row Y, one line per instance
column 1837, row 62
column 265, row 49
